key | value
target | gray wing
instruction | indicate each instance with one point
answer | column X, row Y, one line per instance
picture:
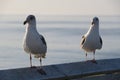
column 83, row 40
column 101, row 40
column 43, row 40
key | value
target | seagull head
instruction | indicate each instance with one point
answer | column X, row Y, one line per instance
column 95, row 21
column 30, row 20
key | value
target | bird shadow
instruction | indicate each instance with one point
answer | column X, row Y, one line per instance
column 93, row 61
column 39, row 70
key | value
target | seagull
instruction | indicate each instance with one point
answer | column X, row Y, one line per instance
column 34, row 43
column 92, row 39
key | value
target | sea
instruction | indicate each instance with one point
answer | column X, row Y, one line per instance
column 63, row 34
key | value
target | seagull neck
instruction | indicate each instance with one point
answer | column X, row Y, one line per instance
column 94, row 28
column 31, row 27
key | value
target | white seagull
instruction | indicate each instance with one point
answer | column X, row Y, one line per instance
column 92, row 40
column 34, row 43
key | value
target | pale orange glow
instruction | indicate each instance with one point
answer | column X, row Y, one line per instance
column 59, row 7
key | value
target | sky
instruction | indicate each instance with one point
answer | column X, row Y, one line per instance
column 60, row 7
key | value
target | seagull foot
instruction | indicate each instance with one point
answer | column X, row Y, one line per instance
column 94, row 61
column 33, row 67
column 41, row 71
column 87, row 61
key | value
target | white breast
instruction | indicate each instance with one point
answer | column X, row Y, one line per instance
column 92, row 41
column 33, row 43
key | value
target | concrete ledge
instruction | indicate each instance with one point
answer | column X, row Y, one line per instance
column 63, row 71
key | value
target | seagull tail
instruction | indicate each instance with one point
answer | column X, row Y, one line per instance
column 38, row 56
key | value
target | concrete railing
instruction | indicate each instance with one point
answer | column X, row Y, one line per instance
column 67, row 71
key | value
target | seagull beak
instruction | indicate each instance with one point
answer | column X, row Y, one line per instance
column 92, row 23
column 25, row 22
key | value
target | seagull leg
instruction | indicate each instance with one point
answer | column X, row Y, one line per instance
column 86, row 55
column 40, row 63
column 93, row 55
column 31, row 62
column 94, row 61
column 40, row 70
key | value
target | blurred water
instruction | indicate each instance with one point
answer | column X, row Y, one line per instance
column 63, row 35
